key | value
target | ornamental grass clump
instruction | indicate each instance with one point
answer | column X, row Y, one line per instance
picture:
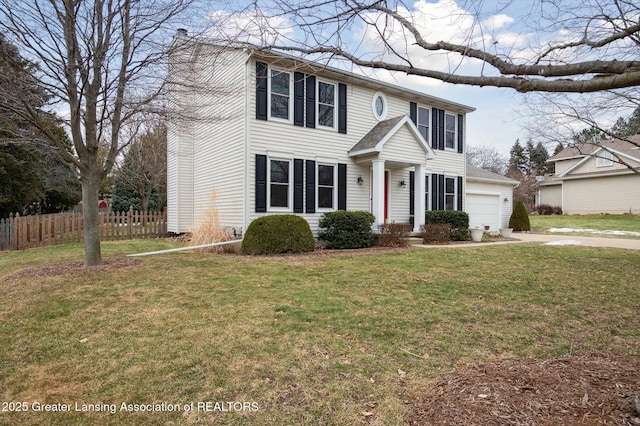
column 209, row 230
column 277, row 234
column 519, row 219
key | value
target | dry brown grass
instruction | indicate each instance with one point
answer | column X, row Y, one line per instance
column 209, row 230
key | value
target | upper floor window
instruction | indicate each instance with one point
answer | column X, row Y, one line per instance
column 424, row 117
column 280, row 95
column 450, row 131
column 604, row 158
column 326, row 104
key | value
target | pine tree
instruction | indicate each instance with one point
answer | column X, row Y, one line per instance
column 538, row 157
column 518, row 158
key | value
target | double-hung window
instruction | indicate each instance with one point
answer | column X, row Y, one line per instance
column 280, row 184
column 280, row 98
column 450, row 131
column 424, row 115
column 326, row 186
column 326, row 104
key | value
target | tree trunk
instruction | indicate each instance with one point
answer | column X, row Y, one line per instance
column 91, row 218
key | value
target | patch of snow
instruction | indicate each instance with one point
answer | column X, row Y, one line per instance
column 596, row 231
column 566, row 243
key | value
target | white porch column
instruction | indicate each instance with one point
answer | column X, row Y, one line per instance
column 419, row 201
column 377, row 196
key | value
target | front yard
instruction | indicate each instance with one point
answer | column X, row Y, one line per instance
column 593, row 224
column 313, row 339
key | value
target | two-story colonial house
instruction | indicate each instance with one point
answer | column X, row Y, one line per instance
column 271, row 133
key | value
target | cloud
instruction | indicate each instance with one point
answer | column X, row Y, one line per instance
column 256, row 27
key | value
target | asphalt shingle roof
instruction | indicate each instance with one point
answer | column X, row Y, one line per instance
column 375, row 135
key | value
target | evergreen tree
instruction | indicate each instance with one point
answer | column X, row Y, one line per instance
column 589, row 135
column 538, row 157
column 518, row 158
column 629, row 127
column 38, row 178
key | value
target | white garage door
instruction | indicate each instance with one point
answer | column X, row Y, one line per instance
column 483, row 210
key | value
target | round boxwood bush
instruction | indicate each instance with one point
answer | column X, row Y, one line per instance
column 519, row 219
column 347, row 229
column 275, row 234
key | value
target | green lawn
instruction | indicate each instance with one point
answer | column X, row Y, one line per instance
column 600, row 222
column 316, row 339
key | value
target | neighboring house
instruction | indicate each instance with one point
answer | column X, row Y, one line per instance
column 590, row 178
column 489, row 198
column 278, row 134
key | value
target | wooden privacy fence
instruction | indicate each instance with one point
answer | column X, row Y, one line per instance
column 21, row 232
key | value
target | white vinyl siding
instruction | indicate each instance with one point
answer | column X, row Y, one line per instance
column 323, row 143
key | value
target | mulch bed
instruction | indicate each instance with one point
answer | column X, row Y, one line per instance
column 587, row 389
column 70, row 268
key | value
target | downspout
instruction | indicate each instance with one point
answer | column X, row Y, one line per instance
column 245, row 183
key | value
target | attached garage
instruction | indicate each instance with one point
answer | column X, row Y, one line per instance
column 483, row 209
column 489, row 198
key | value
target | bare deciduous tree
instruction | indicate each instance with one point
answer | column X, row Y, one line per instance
column 557, row 47
column 487, row 158
column 102, row 63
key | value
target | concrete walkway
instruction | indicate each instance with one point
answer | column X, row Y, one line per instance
column 625, row 243
column 528, row 237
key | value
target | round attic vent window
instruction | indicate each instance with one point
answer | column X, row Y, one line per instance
column 379, row 106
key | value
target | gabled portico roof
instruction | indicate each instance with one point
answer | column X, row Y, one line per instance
column 374, row 141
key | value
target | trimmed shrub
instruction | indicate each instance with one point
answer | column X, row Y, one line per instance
column 395, row 234
column 436, row 233
column 458, row 220
column 519, row 219
column 347, row 229
column 546, row 209
column 286, row 233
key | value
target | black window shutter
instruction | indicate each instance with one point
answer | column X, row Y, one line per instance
column 342, row 108
column 261, row 90
column 310, row 198
column 342, row 186
column 298, row 185
column 298, row 99
column 434, row 192
column 261, row 183
column 434, row 129
column 412, row 192
column 460, row 134
column 311, row 101
column 441, row 190
column 441, row 129
column 460, row 192
column 413, row 112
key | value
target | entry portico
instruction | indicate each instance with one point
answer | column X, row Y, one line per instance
column 394, row 144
